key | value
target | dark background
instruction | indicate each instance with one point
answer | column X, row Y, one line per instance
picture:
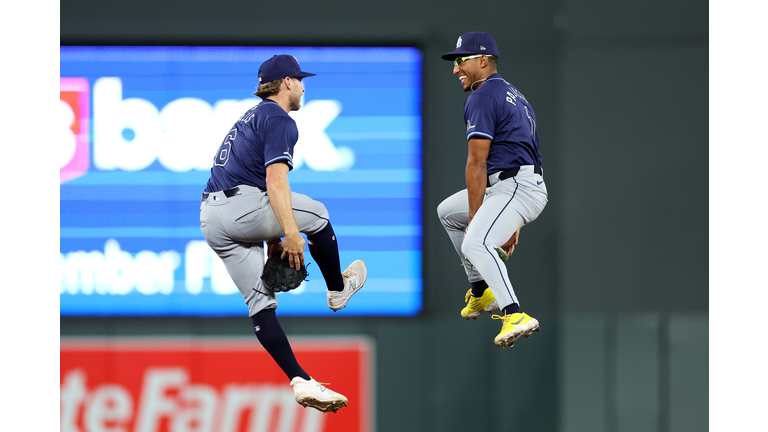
column 616, row 267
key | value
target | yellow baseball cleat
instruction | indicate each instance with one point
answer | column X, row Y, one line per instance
column 477, row 305
column 513, row 326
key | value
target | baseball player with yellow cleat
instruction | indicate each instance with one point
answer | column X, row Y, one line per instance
column 505, row 184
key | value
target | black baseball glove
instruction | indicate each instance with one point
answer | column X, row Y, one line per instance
column 279, row 276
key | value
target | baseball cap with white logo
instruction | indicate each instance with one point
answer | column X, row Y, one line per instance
column 279, row 67
column 473, row 43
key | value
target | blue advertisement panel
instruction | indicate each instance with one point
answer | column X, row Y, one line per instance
column 139, row 127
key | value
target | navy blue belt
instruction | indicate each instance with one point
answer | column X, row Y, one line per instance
column 513, row 172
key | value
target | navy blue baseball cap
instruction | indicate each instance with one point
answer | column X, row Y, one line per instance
column 473, row 43
column 279, row 67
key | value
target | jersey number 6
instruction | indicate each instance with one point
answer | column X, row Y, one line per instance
column 222, row 155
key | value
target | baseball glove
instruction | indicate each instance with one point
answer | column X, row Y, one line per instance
column 279, row 276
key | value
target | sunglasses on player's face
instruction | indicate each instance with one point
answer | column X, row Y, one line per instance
column 460, row 60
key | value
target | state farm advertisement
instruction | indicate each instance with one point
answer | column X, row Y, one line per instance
column 208, row 385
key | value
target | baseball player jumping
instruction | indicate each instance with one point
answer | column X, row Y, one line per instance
column 505, row 184
column 248, row 201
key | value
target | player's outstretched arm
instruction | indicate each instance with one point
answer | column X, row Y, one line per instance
column 280, row 199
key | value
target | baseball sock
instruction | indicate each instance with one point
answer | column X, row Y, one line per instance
column 478, row 288
column 512, row 308
column 274, row 340
column 325, row 250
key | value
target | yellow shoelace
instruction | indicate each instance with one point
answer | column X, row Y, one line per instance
column 499, row 317
column 508, row 319
column 469, row 294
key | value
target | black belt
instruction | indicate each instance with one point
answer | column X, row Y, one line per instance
column 229, row 193
column 513, row 172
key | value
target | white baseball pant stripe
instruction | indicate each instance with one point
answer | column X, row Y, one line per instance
column 508, row 205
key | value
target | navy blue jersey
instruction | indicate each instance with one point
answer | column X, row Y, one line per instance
column 499, row 112
column 265, row 134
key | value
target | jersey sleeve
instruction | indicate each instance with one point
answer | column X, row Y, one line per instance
column 480, row 117
column 280, row 139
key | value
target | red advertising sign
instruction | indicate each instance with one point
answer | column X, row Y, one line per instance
column 208, row 385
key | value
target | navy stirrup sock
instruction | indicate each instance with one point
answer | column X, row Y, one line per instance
column 274, row 340
column 325, row 251
column 512, row 308
column 478, row 288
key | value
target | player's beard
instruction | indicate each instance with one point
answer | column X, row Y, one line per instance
column 295, row 101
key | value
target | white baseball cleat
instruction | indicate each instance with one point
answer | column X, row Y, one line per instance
column 313, row 394
column 354, row 278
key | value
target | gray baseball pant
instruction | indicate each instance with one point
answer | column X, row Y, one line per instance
column 236, row 227
column 508, row 205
